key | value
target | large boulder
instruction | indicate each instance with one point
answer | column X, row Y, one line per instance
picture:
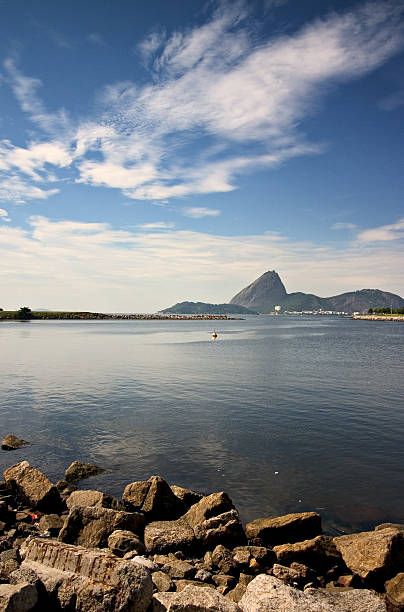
column 91, row 526
column 90, row 497
column 166, row 536
column 211, row 521
column 18, row 597
column 319, row 553
column 269, row 594
column 193, row 599
column 373, row 555
column 155, row 498
column 120, row 542
column 285, row 529
column 77, row 578
column 33, row 487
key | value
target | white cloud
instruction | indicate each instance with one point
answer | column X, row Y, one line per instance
column 157, row 225
column 4, row 215
column 219, row 104
column 14, row 189
column 343, row 226
column 198, row 213
column 385, row 233
column 94, row 266
column 96, row 39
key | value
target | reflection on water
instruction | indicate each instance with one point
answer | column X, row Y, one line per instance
column 286, row 414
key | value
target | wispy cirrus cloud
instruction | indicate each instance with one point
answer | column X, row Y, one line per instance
column 199, row 212
column 157, row 225
column 384, row 233
column 218, row 104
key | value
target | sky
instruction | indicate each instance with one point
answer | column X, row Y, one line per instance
column 155, row 152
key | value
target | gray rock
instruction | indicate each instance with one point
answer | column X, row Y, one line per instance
column 223, row 559
column 33, row 487
column 24, row 574
column 182, row 583
column 285, row 529
column 242, row 555
column 145, row 562
column 18, row 597
column 7, row 567
column 373, row 555
column 269, row 594
column 88, row 580
column 155, row 498
column 94, row 499
column 11, row 442
column 203, row 576
column 121, row 542
column 200, row 599
column 91, row 527
column 80, row 471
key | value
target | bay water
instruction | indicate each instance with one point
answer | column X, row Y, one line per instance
column 286, row 414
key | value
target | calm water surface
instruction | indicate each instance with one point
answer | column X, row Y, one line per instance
column 286, row 414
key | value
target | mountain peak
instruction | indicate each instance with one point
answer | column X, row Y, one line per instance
column 263, row 294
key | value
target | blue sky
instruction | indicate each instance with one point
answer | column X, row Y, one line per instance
column 152, row 152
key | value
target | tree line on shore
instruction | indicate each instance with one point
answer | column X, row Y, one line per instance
column 386, row 311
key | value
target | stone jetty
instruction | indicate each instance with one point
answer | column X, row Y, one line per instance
column 165, row 548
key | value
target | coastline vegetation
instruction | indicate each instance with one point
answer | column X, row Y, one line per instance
column 386, row 311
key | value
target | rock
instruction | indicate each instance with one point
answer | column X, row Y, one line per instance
column 52, row 523
column 346, row 581
column 11, row 442
column 269, row 594
column 155, row 498
column 242, row 555
column 6, row 568
column 161, row 601
column 237, row 593
column 162, row 582
column 121, row 542
column 373, row 555
column 187, row 496
column 225, row 582
column 165, row 536
column 195, row 599
column 203, row 576
column 211, row 521
column 179, row 569
column 395, row 589
column 185, row 582
column 33, row 487
column 285, row 529
column 145, row 562
column 397, row 526
column 223, row 559
column 286, row 574
column 88, row 580
column 65, row 488
column 80, row 471
column 87, row 526
column 355, row 600
column 18, row 597
column 24, row 574
column 319, row 553
column 94, row 499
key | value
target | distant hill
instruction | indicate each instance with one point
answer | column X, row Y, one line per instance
column 268, row 291
column 204, row 308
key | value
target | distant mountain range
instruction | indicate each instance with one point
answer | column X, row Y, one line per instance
column 268, row 291
column 204, row 308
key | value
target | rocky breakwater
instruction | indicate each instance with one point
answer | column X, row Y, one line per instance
column 166, row 548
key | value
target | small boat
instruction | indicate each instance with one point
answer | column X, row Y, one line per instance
column 214, row 335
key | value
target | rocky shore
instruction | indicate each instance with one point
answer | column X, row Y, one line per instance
column 165, row 548
column 85, row 316
column 379, row 317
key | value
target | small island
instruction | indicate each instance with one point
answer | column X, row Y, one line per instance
column 26, row 314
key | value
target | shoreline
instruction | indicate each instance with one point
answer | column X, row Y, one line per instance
column 91, row 316
column 378, row 317
column 172, row 546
